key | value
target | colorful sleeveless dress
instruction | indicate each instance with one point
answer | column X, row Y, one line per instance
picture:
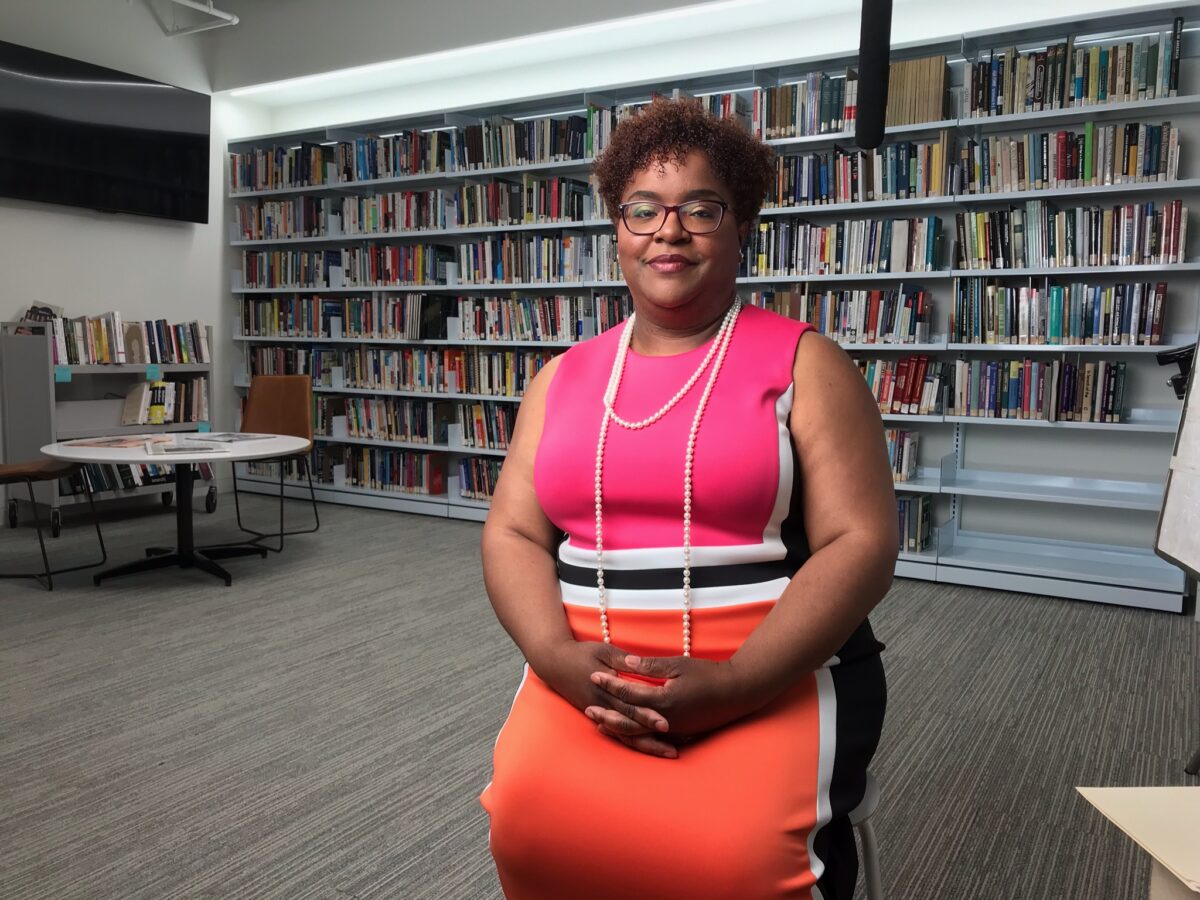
column 756, row 809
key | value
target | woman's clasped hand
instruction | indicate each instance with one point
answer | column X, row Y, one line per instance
column 668, row 701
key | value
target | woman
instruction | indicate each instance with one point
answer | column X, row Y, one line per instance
column 703, row 692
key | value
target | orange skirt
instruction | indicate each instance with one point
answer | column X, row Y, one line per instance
column 751, row 810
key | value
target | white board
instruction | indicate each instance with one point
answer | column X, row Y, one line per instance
column 1178, row 536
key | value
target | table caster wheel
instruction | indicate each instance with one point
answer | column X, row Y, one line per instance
column 167, row 497
column 210, row 500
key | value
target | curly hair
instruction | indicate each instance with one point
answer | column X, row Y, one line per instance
column 667, row 131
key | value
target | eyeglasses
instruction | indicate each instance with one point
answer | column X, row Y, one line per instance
column 695, row 216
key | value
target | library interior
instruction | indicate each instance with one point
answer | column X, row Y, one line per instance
column 449, row 443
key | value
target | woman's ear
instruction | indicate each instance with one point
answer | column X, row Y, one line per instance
column 743, row 231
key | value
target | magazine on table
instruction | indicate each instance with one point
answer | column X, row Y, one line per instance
column 120, row 443
column 229, row 437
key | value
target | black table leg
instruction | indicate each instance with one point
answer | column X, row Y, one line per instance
column 185, row 555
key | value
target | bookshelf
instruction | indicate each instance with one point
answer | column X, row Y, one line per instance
column 43, row 402
column 1064, row 508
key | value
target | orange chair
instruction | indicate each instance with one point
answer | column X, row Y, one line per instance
column 47, row 470
column 280, row 404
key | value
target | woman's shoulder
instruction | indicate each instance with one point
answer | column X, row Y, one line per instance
column 768, row 322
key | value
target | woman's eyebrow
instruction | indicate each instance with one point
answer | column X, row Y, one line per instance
column 690, row 195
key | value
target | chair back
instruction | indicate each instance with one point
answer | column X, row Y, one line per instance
column 279, row 404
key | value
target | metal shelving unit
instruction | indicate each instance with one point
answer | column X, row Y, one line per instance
column 1043, row 469
column 43, row 403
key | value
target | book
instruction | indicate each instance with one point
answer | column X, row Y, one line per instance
column 137, row 405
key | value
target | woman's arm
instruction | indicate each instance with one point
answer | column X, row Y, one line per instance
column 519, row 542
column 849, row 512
column 519, row 571
column 849, row 506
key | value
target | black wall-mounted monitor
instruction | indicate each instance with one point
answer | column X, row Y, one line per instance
column 82, row 135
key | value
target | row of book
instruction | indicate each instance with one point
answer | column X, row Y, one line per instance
column 823, row 103
column 897, row 171
column 1144, row 67
column 505, row 259
column 377, row 264
column 388, row 318
column 485, row 425
column 1097, row 155
column 911, row 385
column 103, row 477
column 500, row 373
column 398, row 471
column 818, row 103
column 902, row 453
column 492, row 143
column 410, row 152
column 416, row 317
column 477, row 477
column 528, row 258
column 552, row 318
column 167, row 402
column 531, row 200
column 723, row 105
column 501, row 141
column 401, row 471
column 381, row 419
column 916, row 522
column 107, row 339
column 1036, row 234
column 917, row 91
column 1055, row 390
column 498, row 202
column 787, row 246
column 901, row 315
column 297, row 217
column 1117, row 314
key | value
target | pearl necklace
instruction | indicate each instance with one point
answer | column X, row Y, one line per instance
column 719, row 347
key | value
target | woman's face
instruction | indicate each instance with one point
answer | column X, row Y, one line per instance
column 673, row 270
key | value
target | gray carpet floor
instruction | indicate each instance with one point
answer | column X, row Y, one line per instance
column 323, row 728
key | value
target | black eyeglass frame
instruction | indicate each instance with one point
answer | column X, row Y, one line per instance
column 667, row 210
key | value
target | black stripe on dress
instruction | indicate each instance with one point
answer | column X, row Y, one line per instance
column 669, row 578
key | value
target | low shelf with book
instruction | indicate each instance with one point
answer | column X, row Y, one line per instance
column 56, row 386
column 1070, row 143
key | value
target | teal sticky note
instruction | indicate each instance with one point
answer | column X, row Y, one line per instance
column 203, row 427
column 62, row 373
column 153, row 372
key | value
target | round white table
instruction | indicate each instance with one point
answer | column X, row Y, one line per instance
column 185, row 554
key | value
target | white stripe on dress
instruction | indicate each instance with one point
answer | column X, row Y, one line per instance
column 672, row 598
column 672, row 557
column 827, row 748
column 783, row 491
